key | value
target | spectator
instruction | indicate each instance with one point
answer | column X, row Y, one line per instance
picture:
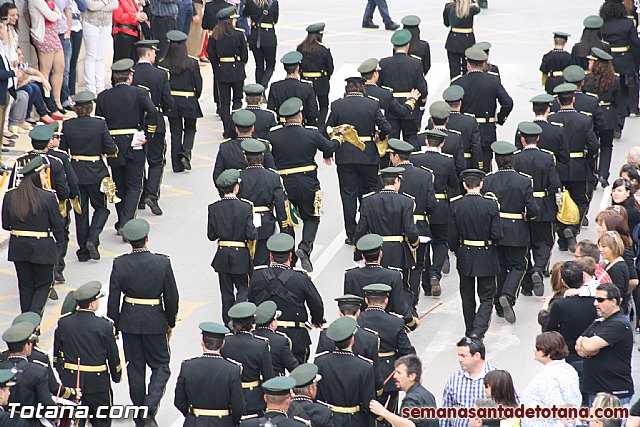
column 44, row 15
column 485, row 422
column 611, row 249
column 590, row 283
column 605, row 400
column 96, row 29
column 630, row 172
column 556, row 384
column 467, row 384
column 29, row 94
column 618, row 224
column 77, row 8
column 383, row 8
column 586, row 248
column 607, row 344
column 570, row 316
column 407, row 374
column 633, row 156
column 164, row 18
column 10, row 43
column 126, row 32
column 498, row 385
column 623, row 194
column 7, row 80
column 64, row 34
column 186, row 14
column 196, row 34
column 558, row 287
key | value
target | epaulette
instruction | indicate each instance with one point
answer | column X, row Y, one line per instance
column 55, row 159
column 194, row 57
column 454, row 131
column 399, row 270
column 616, row 74
column 409, row 196
column 456, row 78
column 271, row 111
column 302, row 270
column 373, row 97
column 517, row 152
column 161, row 254
column 108, row 320
column 368, row 194
column 144, row 87
column 470, row 115
column 239, row 29
column 164, row 69
column 272, row 170
column 191, row 358
column 586, row 113
column 366, row 359
column 225, row 140
column 306, row 81
column 65, row 315
column 311, row 127
column 259, row 267
column 263, row 140
column 302, row 420
column 453, row 199
column 11, row 189
column 387, row 88
column 416, row 57
column 261, row 338
column 233, row 361
column 396, row 314
column 493, row 73
column 371, row 330
column 118, row 256
column 323, row 403
column 557, row 124
column 427, row 169
column 489, row 195
column 524, row 174
column 283, row 334
column 247, row 201
column 98, row 117
column 40, row 363
column 322, row 353
column 595, row 95
column 446, row 154
column 550, row 153
column 323, row 45
column 351, row 268
column 490, row 173
column 57, row 150
column 35, row 347
column 248, row 417
column 275, row 128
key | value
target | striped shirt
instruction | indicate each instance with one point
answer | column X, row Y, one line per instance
column 462, row 391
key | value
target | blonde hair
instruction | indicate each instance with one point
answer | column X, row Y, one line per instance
column 557, row 285
column 613, row 241
column 462, row 8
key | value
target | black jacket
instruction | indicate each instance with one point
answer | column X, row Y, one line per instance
column 417, row 183
column 458, row 42
column 233, row 46
column 318, row 68
column 265, row 120
column 291, row 87
column 280, row 349
column 552, row 139
column 551, row 67
column 263, row 21
column 156, row 81
column 231, row 156
column 188, row 81
column 402, row 73
column 389, row 105
column 445, row 182
column 540, row 165
column 263, row 187
column 468, row 127
column 320, row 414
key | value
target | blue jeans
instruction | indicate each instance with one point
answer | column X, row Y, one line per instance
column 67, row 49
column 35, row 98
column 76, row 43
column 185, row 14
column 243, row 22
column 382, row 7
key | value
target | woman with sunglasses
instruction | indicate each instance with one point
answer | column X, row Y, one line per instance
column 612, row 248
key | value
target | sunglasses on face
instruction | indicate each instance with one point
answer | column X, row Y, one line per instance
column 602, row 299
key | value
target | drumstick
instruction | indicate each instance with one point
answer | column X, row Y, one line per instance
column 58, row 393
column 387, row 402
column 78, row 378
column 388, row 378
column 430, row 310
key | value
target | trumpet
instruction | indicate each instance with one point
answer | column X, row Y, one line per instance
column 109, row 189
column 346, row 133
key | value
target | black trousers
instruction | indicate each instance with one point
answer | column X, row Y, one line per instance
column 355, row 180
column 160, row 26
column 183, row 135
column 487, row 157
column 34, row 284
column 457, row 65
column 141, row 351
column 606, row 151
column 416, row 276
column 580, row 194
column 513, row 266
column 436, row 254
column 408, row 128
column 265, row 58
column 123, row 47
column 227, row 283
column 93, row 401
column 85, row 231
column 310, row 224
column 128, row 180
column 261, row 257
column 156, row 150
column 541, row 242
column 225, row 105
column 63, row 244
column 323, row 110
column 477, row 322
column 632, row 82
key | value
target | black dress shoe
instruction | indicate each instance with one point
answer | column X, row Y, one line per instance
column 436, row 290
column 348, row 241
column 370, row 25
column 53, row 295
column 141, row 205
column 585, row 222
column 305, row 262
column 571, row 239
column 617, row 134
column 446, row 266
column 603, row 181
column 93, row 251
column 538, row 284
column 153, row 205
column 186, row 163
column 391, row 26
column 507, row 309
column 527, row 292
column 58, row 277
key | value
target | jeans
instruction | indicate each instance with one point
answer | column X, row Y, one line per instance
column 18, row 109
column 96, row 40
column 185, row 14
column 160, row 26
column 243, row 21
column 67, row 48
column 76, row 43
column 382, row 7
column 35, row 99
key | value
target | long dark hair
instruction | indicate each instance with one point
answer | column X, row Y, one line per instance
column 502, row 390
column 25, row 202
column 604, row 76
column 176, row 59
column 630, row 202
column 223, row 28
column 612, row 10
column 4, row 11
column 309, row 45
column 591, row 37
column 415, row 39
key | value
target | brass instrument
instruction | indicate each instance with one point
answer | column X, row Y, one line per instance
column 251, row 245
column 292, row 215
column 346, row 133
column 317, row 203
column 382, row 145
column 109, row 189
column 62, row 205
column 75, row 203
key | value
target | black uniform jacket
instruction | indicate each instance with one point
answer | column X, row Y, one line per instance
column 265, row 120
column 319, row 413
column 540, row 165
column 318, row 68
column 231, row 156
column 276, row 418
column 264, row 188
column 189, row 82
column 280, row 348
column 417, row 183
column 468, row 127
column 402, row 73
column 552, row 139
column 551, row 67
column 263, row 21
column 156, row 81
column 228, row 56
column 389, row 105
column 458, row 42
column 56, row 174
column 292, row 87
column 620, row 33
column 610, row 102
column 453, row 145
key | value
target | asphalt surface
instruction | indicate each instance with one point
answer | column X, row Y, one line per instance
column 521, row 32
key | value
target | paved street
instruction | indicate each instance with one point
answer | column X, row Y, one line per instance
column 521, row 32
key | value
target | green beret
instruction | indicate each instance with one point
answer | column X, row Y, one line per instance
column 135, row 229
column 280, row 243
column 215, row 329
column 35, row 165
column 42, row 133
column 391, row 171
column 543, row 98
column 254, row 89
column 243, row 118
column 503, row 148
column 357, row 79
column 153, row 44
column 88, row 292
column 565, row 88
column 291, row 58
column 316, row 28
column 435, row 134
column 369, row 242
column 573, row 74
column 593, row 22
column 410, row 21
column 401, row 38
column 125, row 64
column 600, row 54
column 252, row 146
column 290, row 107
column 278, row 386
column 19, row 332
column 440, row 110
column 305, row 374
column 227, row 13
column 6, row 375
column 228, row 178
column 453, row 93
column 242, row 310
column 175, row 36
column 472, row 172
column 561, row 35
column 69, row 304
column 266, row 312
column 377, row 289
column 484, row 46
column 84, row 97
column 342, row 329
column 476, row 54
column 349, row 299
column 368, row 66
column 29, row 317
column 400, row 146
column 529, row 128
